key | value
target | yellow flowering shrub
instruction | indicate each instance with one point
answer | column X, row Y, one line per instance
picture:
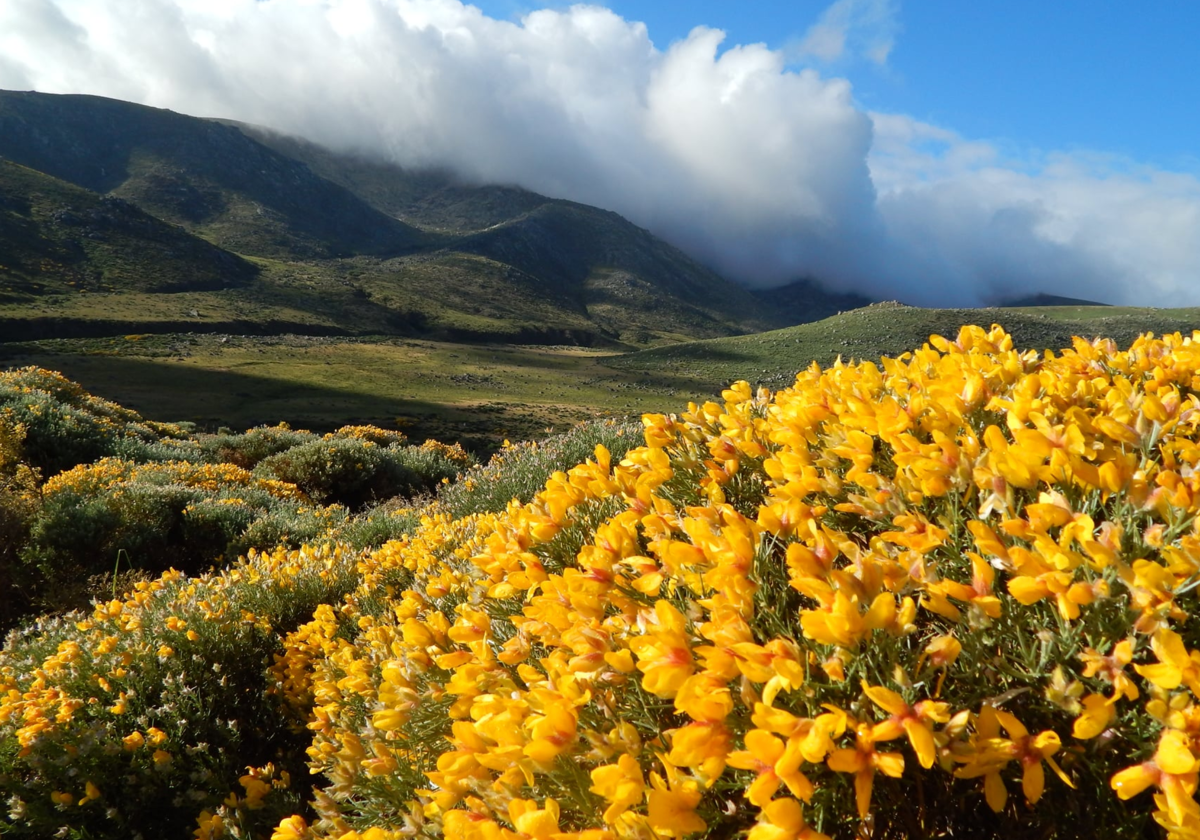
column 156, row 516
column 944, row 595
column 133, row 719
column 357, row 472
column 65, row 425
column 19, row 503
column 374, row 434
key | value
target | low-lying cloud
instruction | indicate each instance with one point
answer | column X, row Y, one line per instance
column 766, row 172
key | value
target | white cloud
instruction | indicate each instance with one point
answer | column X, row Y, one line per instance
column 764, row 171
column 978, row 226
column 867, row 27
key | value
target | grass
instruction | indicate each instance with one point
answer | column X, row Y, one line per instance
column 481, row 394
column 773, row 358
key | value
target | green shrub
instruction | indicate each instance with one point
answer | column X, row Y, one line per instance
column 355, row 472
column 434, row 463
column 66, row 426
column 154, row 517
column 161, row 707
column 19, row 502
column 247, row 450
column 372, row 528
column 519, row 471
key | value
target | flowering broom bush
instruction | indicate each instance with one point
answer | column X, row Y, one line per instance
column 131, row 720
column 154, row 517
column 64, row 425
column 945, row 596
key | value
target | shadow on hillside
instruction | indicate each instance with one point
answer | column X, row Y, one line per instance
column 715, row 351
column 211, row 399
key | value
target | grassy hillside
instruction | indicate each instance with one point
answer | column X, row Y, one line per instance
column 478, row 394
column 481, row 394
column 207, row 176
column 636, row 288
column 59, row 239
column 773, row 358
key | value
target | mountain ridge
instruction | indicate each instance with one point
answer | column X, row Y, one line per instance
column 352, row 245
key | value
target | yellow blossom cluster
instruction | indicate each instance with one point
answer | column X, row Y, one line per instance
column 948, row 594
column 93, row 479
column 158, row 697
column 371, row 434
column 452, row 452
column 893, row 593
column 39, row 382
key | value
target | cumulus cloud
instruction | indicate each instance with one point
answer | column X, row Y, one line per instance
column 765, row 171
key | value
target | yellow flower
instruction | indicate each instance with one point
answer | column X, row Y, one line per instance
column 1097, row 714
column 133, row 740
column 863, row 760
column 1111, row 669
column 996, row 752
column 703, row 697
column 90, row 793
column 1176, row 666
column 621, row 784
column 702, row 745
column 663, row 653
column 774, row 762
column 783, row 819
column 1173, row 770
column 552, row 733
column 914, row 721
column 672, row 805
column 291, row 828
column 538, row 823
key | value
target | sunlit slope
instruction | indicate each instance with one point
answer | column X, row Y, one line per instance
column 772, row 358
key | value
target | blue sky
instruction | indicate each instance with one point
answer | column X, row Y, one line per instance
column 940, row 152
column 1035, row 75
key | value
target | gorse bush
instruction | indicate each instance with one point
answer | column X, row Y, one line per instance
column 355, row 472
column 131, row 721
column 124, row 493
column 66, row 426
column 520, row 470
column 948, row 595
column 154, row 517
column 19, row 503
column 249, row 449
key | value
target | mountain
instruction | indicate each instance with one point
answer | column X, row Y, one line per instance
column 202, row 174
column 805, row 301
column 281, row 231
column 624, row 279
column 59, row 238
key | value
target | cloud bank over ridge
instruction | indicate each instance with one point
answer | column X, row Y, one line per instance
column 766, row 172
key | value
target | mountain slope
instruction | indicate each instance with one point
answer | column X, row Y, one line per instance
column 627, row 281
column 890, row 329
column 349, row 245
column 202, row 174
column 56, row 237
